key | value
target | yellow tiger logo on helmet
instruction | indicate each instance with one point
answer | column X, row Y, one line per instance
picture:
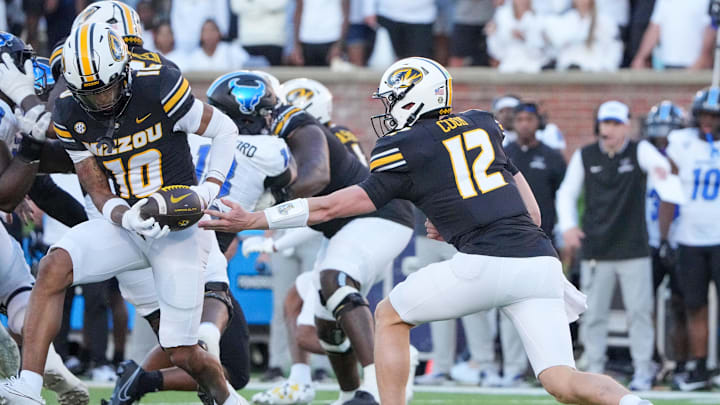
column 117, row 46
column 300, row 95
column 404, row 77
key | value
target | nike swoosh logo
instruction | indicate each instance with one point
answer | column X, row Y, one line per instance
column 122, row 394
column 140, row 120
column 176, row 200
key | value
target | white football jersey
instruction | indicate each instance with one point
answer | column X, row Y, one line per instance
column 652, row 211
column 8, row 127
column 698, row 164
column 257, row 157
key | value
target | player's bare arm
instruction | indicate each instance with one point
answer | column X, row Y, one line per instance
column 528, row 198
column 348, row 202
column 310, row 149
column 16, row 178
column 93, row 180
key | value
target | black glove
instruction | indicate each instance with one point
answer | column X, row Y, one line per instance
column 666, row 254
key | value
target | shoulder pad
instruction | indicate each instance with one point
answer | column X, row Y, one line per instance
column 288, row 118
column 388, row 153
column 169, row 87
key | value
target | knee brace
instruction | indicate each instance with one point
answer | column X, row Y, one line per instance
column 333, row 340
column 344, row 299
column 220, row 291
column 209, row 338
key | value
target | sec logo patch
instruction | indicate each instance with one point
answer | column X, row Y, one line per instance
column 80, row 127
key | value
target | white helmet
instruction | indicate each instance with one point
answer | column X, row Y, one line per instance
column 121, row 17
column 310, row 95
column 410, row 88
column 96, row 68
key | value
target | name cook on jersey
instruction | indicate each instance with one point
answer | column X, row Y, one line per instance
column 127, row 143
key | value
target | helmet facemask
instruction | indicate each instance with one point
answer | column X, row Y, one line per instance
column 106, row 101
column 384, row 124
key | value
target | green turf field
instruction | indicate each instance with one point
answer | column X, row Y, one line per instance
column 421, row 398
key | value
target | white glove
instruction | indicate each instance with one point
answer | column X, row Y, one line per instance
column 34, row 122
column 207, row 192
column 257, row 244
column 14, row 83
column 149, row 228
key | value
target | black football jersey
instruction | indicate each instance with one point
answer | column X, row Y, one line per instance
column 454, row 169
column 143, row 59
column 348, row 138
column 146, row 152
column 345, row 169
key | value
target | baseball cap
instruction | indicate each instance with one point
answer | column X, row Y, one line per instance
column 614, row 111
column 505, row 102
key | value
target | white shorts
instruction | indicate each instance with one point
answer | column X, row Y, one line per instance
column 363, row 249
column 310, row 297
column 528, row 290
column 101, row 250
column 14, row 271
column 138, row 287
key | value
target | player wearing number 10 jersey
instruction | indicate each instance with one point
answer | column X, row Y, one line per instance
column 454, row 169
column 130, row 127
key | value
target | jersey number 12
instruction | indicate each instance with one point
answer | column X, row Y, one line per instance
column 477, row 138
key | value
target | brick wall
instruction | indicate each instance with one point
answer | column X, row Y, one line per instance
column 568, row 99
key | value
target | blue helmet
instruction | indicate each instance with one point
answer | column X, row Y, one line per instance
column 44, row 80
column 706, row 100
column 246, row 97
column 663, row 118
column 16, row 48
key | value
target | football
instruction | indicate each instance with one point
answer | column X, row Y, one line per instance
column 178, row 207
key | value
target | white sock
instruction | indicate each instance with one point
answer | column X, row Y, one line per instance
column 346, row 396
column 370, row 381
column 631, row 399
column 232, row 399
column 300, row 373
column 33, row 380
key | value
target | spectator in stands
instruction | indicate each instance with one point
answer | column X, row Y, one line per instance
column 262, row 27
column 187, row 18
column 164, row 42
column 214, row 54
column 410, row 28
column 442, row 29
column 469, row 43
column 707, row 51
column 677, row 26
column 515, row 39
column 504, row 109
column 320, row 29
column 542, row 166
column 612, row 174
column 639, row 20
column 147, row 15
column 361, row 35
column 584, row 39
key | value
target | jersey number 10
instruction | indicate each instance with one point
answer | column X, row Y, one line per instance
column 484, row 181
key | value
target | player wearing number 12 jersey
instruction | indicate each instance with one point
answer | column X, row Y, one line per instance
column 130, row 127
column 454, row 169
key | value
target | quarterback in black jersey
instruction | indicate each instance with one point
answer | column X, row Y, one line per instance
column 452, row 166
column 141, row 146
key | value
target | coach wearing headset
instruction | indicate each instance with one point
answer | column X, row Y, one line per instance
column 612, row 175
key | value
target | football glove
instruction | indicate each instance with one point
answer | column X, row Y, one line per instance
column 14, row 83
column 34, row 123
column 149, row 228
column 257, row 244
column 207, row 191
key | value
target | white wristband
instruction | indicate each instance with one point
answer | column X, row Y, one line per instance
column 110, row 205
column 291, row 214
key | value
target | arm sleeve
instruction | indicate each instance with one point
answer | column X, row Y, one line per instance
column 650, row 158
column 57, row 202
column 568, row 193
column 223, row 132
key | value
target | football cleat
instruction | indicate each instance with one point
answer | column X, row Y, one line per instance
column 127, row 389
column 69, row 389
column 288, row 392
column 15, row 391
column 362, row 398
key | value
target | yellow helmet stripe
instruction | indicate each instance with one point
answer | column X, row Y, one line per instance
column 84, row 55
column 55, row 54
column 127, row 17
column 449, row 92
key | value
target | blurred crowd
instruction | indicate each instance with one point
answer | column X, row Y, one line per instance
column 512, row 35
